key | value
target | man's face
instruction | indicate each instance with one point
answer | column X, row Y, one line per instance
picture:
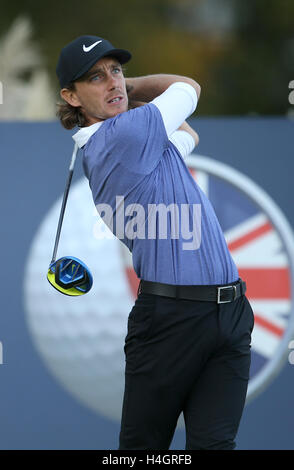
column 97, row 89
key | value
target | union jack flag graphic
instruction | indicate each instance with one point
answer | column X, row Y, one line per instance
column 264, row 258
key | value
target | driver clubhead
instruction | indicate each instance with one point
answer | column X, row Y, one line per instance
column 70, row 276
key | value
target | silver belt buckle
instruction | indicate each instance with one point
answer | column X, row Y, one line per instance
column 219, row 301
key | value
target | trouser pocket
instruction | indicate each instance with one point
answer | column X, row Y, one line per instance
column 140, row 320
column 140, row 327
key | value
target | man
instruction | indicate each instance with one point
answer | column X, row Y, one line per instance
column 188, row 342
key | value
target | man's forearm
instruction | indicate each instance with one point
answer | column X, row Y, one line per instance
column 149, row 87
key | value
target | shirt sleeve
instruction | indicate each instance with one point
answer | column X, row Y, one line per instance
column 183, row 141
column 176, row 104
column 137, row 138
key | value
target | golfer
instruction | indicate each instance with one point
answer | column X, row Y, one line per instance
column 187, row 347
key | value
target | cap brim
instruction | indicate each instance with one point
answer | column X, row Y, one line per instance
column 121, row 55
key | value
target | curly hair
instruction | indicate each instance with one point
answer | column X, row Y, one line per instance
column 70, row 116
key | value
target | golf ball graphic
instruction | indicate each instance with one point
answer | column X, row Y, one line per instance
column 81, row 339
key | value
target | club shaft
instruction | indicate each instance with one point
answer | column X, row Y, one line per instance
column 64, row 201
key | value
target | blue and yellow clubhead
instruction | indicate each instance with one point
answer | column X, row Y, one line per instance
column 70, row 276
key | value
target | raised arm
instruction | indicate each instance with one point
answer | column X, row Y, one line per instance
column 175, row 96
column 184, row 145
column 145, row 89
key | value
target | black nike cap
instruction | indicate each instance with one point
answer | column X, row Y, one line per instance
column 77, row 57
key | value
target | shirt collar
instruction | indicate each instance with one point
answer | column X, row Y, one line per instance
column 83, row 135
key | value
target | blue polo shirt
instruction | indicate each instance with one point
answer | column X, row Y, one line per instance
column 157, row 209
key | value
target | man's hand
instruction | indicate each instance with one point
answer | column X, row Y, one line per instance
column 133, row 103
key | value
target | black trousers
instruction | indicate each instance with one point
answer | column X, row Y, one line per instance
column 185, row 356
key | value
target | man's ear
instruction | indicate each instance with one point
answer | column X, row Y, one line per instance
column 70, row 97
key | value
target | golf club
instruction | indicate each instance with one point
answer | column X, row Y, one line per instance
column 69, row 275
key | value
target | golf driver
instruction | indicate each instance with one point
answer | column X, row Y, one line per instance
column 69, row 275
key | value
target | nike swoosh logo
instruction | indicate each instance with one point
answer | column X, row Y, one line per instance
column 89, row 48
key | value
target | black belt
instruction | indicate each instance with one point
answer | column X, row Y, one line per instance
column 221, row 294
